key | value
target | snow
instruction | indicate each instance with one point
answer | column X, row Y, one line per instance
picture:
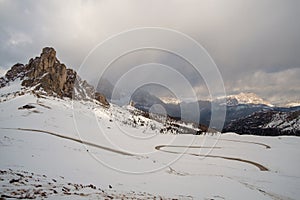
column 12, row 87
column 244, row 98
column 292, row 104
column 280, row 120
column 170, row 100
column 44, row 140
column 2, row 71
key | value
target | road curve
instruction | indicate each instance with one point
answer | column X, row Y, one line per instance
column 259, row 166
column 159, row 147
column 241, row 141
column 73, row 139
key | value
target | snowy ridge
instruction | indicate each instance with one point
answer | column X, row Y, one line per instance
column 244, row 98
column 170, row 100
column 268, row 122
column 293, row 104
column 285, row 121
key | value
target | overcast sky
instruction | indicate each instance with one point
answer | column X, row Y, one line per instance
column 255, row 43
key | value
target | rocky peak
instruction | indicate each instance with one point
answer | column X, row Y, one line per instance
column 46, row 73
column 16, row 71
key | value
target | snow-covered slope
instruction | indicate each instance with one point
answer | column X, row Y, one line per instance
column 285, row 121
column 275, row 122
column 54, row 147
column 64, row 149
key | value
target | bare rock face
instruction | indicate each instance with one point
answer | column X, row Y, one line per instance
column 46, row 73
column 101, row 98
column 70, row 82
column 16, row 71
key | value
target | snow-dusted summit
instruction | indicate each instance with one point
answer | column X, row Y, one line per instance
column 292, row 104
column 170, row 100
column 246, row 98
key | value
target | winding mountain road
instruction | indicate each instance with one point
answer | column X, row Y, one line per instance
column 159, row 147
column 258, row 165
column 241, row 141
column 73, row 139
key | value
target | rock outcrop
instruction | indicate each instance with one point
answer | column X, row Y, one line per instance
column 15, row 72
column 46, row 73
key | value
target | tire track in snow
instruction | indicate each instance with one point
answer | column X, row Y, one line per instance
column 241, row 141
column 259, row 166
column 73, row 139
column 159, row 147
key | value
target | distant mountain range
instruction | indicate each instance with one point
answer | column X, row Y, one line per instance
column 246, row 113
column 245, row 98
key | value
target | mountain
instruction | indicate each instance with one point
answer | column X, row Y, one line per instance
column 267, row 122
column 292, row 104
column 241, row 110
column 170, row 100
column 245, row 98
column 143, row 100
column 231, row 100
column 106, row 88
column 45, row 75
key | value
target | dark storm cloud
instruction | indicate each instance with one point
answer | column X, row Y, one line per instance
column 256, row 44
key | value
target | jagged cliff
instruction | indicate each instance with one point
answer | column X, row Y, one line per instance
column 46, row 73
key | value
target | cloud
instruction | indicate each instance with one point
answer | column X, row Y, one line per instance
column 18, row 39
column 245, row 39
column 277, row 87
